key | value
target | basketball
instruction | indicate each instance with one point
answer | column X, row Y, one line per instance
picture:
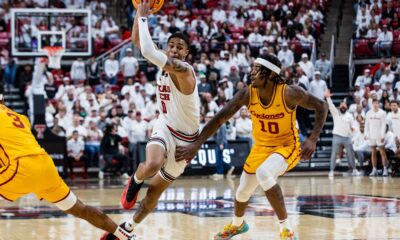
column 155, row 5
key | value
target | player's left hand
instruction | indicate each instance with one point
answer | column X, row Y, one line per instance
column 143, row 8
column 308, row 148
column 186, row 153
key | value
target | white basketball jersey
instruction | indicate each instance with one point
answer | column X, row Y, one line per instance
column 179, row 111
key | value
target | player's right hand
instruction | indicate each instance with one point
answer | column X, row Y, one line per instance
column 143, row 8
column 186, row 153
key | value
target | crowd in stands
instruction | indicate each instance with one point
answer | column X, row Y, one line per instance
column 377, row 30
column 378, row 86
column 111, row 108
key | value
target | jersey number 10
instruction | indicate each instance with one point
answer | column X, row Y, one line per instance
column 273, row 127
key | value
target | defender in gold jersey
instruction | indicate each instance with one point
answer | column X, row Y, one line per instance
column 25, row 168
column 272, row 104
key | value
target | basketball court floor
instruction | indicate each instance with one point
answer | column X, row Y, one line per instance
column 195, row 208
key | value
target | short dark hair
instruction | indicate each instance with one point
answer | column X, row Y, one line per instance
column 182, row 36
column 75, row 131
column 395, row 101
column 375, row 100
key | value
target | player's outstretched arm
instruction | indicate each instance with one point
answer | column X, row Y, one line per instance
column 295, row 95
column 135, row 32
column 189, row 152
column 149, row 50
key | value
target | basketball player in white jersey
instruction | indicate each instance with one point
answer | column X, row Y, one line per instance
column 178, row 123
column 375, row 129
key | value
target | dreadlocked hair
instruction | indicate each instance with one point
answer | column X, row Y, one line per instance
column 277, row 78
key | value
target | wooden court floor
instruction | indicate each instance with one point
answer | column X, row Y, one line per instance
column 196, row 208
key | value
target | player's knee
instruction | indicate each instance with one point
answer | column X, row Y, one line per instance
column 266, row 178
column 242, row 194
column 152, row 167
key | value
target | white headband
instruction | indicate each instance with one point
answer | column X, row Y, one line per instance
column 268, row 65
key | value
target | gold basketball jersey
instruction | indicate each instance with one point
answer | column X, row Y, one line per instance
column 275, row 124
column 16, row 138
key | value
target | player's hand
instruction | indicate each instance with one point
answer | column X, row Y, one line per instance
column 308, row 148
column 143, row 8
column 186, row 153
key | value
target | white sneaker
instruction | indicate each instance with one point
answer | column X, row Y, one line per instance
column 385, row 172
column 101, row 175
column 230, row 172
column 125, row 176
column 355, row 173
column 217, row 176
column 331, row 174
column 373, row 173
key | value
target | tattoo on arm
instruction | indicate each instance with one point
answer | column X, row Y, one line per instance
column 241, row 98
column 297, row 96
column 176, row 66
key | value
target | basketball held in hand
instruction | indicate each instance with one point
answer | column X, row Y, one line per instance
column 155, row 5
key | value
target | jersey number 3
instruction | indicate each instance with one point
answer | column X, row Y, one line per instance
column 17, row 121
column 273, row 127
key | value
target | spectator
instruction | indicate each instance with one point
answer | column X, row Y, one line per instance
column 75, row 147
column 307, row 41
column 375, row 128
column 302, row 78
column 342, row 131
column 76, row 126
column 111, row 68
column 128, row 87
column 379, row 72
column 360, row 145
column 324, row 66
column 50, row 88
column 78, row 73
column 318, row 86
column 93, row 117
column 151, row 107
column 92, row 146
column 93, row 72
column 244, row 126
column 363, row 18
column 364, row 80
column 203, row 86
column 219, row 15
column 384, row 42
column 10, row 72
column 221, row 143
column 212, row 105
column 386, row 77
column 307, row 66
column 285, row 55
column 137, row 130
column 255, row 40
column 129, row 65
column 110, row 29
column 388, row 13
column 109, row 150
column 57, row 129
column 148, row 87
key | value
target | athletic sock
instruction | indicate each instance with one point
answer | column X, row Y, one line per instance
column 237, row 221
column 137, row 180
column 130, row 225
column 284, row 224
column 122, row 234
